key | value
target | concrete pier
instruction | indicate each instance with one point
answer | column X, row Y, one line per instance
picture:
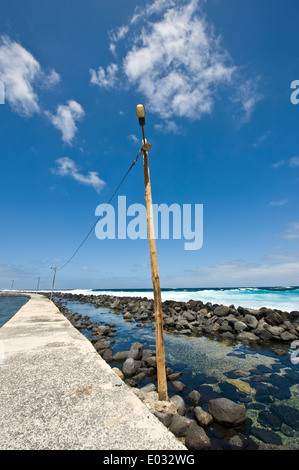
column 57, row 392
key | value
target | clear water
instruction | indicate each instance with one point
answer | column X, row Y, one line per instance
column 259, row 379
column 9, row 306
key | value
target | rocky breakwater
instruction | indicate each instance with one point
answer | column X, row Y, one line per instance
column 194, row 318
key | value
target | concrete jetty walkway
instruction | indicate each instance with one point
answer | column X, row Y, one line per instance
column 57, row 392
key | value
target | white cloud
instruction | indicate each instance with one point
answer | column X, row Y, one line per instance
column 104, row 79
column 21, row 73
column 177, row 63
column 134, row 139
column 67, row 167
column 241, row 273
column 174, row 60
column 292, row 231
column 282, row 202
column 283, row 256
column 294, row 162
column 278, row 164
column 65, row 119
column 248, row 96
column 168, row 127
column 116, row 36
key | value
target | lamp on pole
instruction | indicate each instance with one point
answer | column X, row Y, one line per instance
column 160, row 354
column 54, row 275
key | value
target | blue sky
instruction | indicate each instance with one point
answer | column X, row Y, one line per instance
column 215, row 77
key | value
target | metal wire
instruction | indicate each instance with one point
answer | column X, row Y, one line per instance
column 92, row 228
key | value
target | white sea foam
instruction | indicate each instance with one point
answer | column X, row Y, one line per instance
column 286, row 300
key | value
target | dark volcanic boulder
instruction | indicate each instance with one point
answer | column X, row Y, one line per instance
column 226, row 412
column 179, row 425
column 194, row 397
column 129, row 367
column 196, row 438
column 222, row 311
column 136, row 351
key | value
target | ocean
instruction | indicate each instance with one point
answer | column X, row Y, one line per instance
column 9, row 307
column 281, row 298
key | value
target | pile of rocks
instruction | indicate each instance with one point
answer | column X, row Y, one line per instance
column 194, row 318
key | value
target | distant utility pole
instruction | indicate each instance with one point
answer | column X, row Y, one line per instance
column 160, row 354
column 54, row 275
column 38, row 279
column 12, row 283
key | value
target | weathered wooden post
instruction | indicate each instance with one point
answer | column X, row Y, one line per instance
column 160, row 354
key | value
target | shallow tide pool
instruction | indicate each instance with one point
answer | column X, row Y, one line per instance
column 265, row 382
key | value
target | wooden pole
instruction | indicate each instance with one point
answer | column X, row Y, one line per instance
column 53, row 282
column 160, row 354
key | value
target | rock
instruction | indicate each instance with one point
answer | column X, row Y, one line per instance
column 263, row 446
column 165, row 418
column 179, row 425
column 226, row 412
column 120, row 356
column 221, row 311
column 136, row 351
column 194, row 397
column 204, row 419
column 227, row 335
column 147, row 353
column 275, row 330
column 179, row 402
column 294, row 314
column 247, row 337
column 178, row 386
column 99, row 345
column 287, row 414
column 174, row 376
column 129, row 367
column 287, row 336
column 151, row 361
column 127, row 316
column 189, row 316
column 273, row 318
column 269, row 437
column 196, row 438
column 139, row 377
column 269, row 419
column 225, row 327
column 251, row 321
column 243, row 311
column 107, row 355
column 263, row 334
column 237, row 442
column 240, row 326
column 168, row 321
column 118, row 372
column 148, row 388
column 240, row 385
